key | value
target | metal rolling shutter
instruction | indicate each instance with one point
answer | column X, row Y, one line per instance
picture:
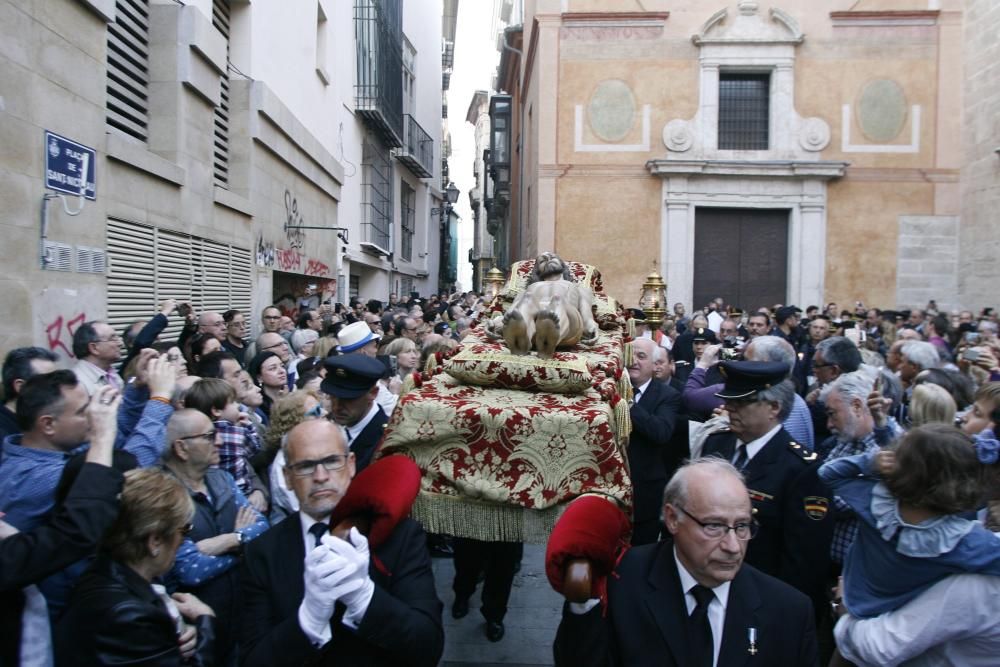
column 220, row 151
column 149, row 265
column 128, row 68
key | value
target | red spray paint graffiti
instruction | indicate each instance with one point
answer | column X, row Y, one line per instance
column 59, row 333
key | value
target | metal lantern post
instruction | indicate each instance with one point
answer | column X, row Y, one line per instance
column 653, row 299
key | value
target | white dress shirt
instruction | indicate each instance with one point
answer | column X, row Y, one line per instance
column 352, row 432
column 640, row 390
column 954, row 622
column 716, row 608
column 754, row 446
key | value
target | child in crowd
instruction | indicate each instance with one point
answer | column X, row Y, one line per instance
column 236, row 436
column 913, row 532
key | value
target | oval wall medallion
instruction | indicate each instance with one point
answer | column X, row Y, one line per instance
column 612, row 110
column 881, row 110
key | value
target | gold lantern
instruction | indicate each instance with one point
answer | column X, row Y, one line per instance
column 493, row 284
column 653, row 299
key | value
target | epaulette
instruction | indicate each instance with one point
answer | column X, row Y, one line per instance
column 804, row 453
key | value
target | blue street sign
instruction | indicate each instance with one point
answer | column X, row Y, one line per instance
column 64, row 160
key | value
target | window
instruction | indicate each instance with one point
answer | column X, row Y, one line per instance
column 354, row 288
column 409, row 77
column 407, row 217
column 744, row 109
column 128, row 69
column 220, row 149
column 376, row 194
column 321, row 48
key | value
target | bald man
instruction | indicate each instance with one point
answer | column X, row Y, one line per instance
column 654, row 414
column 295, row 575
column 211, row 323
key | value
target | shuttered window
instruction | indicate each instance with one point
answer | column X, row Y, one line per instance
column 408, row 219
column 220, row 150
column 128, row 69
column 148, row 265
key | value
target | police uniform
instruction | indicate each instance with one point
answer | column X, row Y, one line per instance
column 684, row 358
column 791, row 504
column 351, row 376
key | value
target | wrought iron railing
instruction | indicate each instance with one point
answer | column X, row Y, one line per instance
column 417, row 152
column 378, row 90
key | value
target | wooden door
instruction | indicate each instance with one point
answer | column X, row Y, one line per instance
column 741, row 255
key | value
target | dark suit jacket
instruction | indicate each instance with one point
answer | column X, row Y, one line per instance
column 366, row 442
column 653, row 420
column 793, row 507
column 72, row 533
column 401, row 627
column 647, row 620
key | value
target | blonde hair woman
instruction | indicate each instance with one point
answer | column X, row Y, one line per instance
column 287, row 412
column 931, row 403
column 116, row 614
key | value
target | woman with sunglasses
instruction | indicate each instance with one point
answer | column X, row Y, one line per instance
column 116, row 614
column 288, row 412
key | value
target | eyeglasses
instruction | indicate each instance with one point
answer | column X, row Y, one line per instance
column 715, row 531
column 208, row 435
column 281, row 344
column 316, row 411
column 306, row 468
column 272, row 317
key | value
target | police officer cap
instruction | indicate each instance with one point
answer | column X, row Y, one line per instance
column 703, row 334
column 351, row 375
column 745, row 378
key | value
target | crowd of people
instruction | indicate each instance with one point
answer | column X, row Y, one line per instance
column 808, row 486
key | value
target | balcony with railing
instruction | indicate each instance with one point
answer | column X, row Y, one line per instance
column 378, row 91
column 417, row 151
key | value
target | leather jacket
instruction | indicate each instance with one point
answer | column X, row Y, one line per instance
column 116, row 618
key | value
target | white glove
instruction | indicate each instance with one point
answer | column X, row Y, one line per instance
column 355, row 552
column 328, row 577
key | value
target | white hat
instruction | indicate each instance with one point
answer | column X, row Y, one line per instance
column 355, row 336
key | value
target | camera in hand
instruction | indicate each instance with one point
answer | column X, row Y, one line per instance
column 730, row 350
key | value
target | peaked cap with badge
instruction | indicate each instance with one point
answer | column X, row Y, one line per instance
column 351, row 375
column 703, row 334
column 743, row 379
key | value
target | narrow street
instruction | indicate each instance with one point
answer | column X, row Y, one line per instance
column 532, row 618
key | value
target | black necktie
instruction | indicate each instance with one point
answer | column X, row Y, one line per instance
column 318, row 530
column 702, row 645
column 741, row 460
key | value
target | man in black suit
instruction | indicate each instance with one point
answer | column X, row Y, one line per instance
column 310, row 597
column 654, row 413
column 790, row 502
column 352, row 383
column 690, row 601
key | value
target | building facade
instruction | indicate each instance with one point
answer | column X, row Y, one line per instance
column 242, row 154
column 765, row 152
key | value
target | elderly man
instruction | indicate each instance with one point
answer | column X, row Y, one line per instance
column 855, row 431
column 211, row 323
column 701, row 398
column 654, row 415
column 790, row 501
column 833, row 357
column 97, row 347
column 207, row 562
column 19, row 365
column 310, row 597
column 692, row 600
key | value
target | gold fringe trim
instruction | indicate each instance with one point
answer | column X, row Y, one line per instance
column 431, row 364
column 627, row 353
column 630, row 328
column 623, row 422
column 489, row 522
column 625, row 388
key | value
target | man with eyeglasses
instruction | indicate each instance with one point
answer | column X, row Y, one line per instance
column 313, row 598
column 833, row 357
column 790, row 502
column 97, row 347
column 692, row 601
column 208, row 560
column 211, row 323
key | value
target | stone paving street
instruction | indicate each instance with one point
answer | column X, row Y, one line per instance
column 531, row 622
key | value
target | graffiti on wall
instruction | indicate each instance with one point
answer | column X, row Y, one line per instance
column 59, row 333
column 265, row 252
column 296, row 237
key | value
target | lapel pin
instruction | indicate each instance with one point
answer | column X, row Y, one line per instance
column 752, row 638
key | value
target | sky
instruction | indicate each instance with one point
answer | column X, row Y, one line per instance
column 476, row 59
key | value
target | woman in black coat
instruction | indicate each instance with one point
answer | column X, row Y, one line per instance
column 116, row 614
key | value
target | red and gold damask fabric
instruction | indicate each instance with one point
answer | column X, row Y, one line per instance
column 499, row 464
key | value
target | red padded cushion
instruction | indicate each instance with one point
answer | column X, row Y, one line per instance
column 383, row 493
